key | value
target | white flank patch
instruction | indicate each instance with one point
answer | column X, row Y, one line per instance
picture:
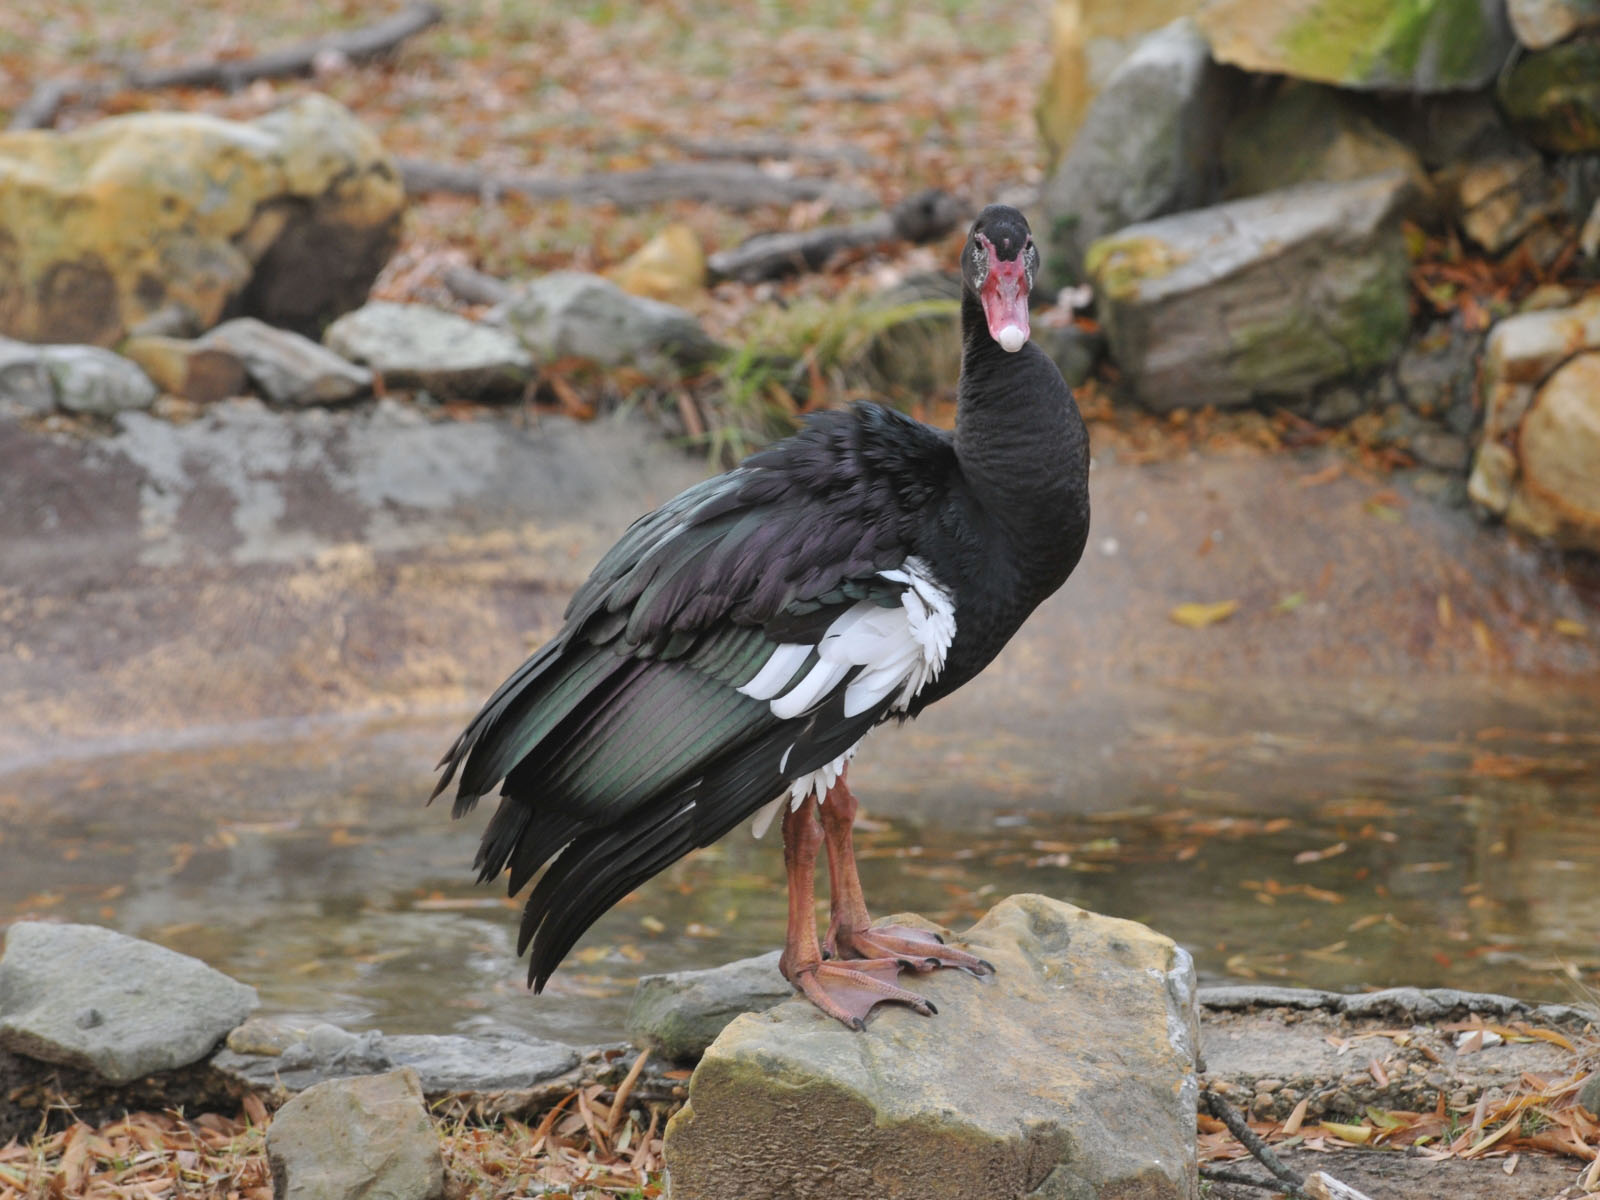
column 894, row 652
column 811, row 783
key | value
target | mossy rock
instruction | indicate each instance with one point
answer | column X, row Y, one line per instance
column 1553, row 97
column 1411, row 45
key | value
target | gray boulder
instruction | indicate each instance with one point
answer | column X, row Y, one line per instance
column 414, row 346
column 1263, row 297
column 1069, row 1073
column 98, row 1000
column 679, row 1014
column 83, row 379
column 287, row 367
column 1143, row 149
column 367, row 1138
column 572, row 314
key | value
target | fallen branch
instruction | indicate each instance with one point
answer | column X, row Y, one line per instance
column 39, row 110
column 728, row 185
column 754, row 149
column 356, row 45
column 1316, row 1186
column 1249, row 1139
column 921, row 218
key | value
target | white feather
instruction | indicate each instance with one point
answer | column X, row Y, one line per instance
column 902, row 648
column 763, row 821
column 811, row 690
column 779, row 669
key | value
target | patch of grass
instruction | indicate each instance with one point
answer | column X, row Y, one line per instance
column 796, row 360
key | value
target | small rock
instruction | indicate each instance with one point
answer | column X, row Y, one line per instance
column 1423, row 46
column 1552, row 97
column 1547, row 296
column 367, row 1138
column 679, row 1014
column 1441, row 449
column 1267, row 296
column 157, row 1010
column 287, row 367
column 1336, row 404
column 1143, row 150
column 572, row 314
column 84, row 379
column 1008, row 1092
column 1494, row 470
column 188, row 369
column 261, row 1035
column 1499, row 200
column 671, row 267
column 414, row 346
column 1542, row 23
column 1525, row 348
column 1437, row 373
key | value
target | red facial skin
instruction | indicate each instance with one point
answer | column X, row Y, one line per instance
column 1004, row 293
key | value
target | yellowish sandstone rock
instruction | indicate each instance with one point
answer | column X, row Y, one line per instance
column 155, row 215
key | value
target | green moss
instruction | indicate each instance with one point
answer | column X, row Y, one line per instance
column 1299, row 346
column 1389, row 41
column 1378, row 316
column 1117, row 266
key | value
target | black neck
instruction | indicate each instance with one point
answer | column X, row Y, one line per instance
column 1021, row 443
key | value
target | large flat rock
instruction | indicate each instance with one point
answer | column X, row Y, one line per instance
column 1266, row 296
column 98, row 1000
column 1069, row 1073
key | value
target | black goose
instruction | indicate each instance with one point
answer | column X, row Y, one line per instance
column 731, row 651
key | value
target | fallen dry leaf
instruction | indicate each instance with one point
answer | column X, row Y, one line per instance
column 1199, row 615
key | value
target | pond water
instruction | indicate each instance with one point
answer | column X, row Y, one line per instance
column 1368, row 837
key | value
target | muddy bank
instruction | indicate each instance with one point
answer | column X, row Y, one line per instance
column 255, row 565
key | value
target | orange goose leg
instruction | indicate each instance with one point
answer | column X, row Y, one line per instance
column 850, row 932
column 845, row 991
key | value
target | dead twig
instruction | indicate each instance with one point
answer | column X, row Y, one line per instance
column 920, row 218
column 756, row 148
column 355, row 45
column 1317, row 1186
column 1249, row 1139
column 1240, row 1179
column 40, row 109
column 726, row 184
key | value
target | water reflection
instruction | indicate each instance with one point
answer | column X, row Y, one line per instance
column 1315, row 846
